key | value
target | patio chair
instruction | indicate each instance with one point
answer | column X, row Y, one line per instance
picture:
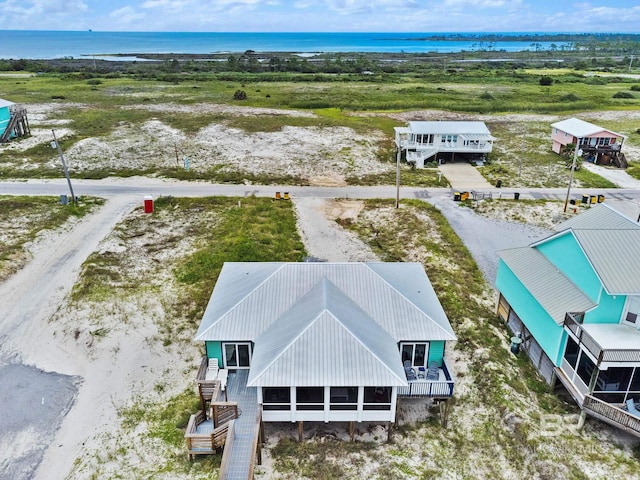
column 409, row 371
column 631, row 408
column 432, row 372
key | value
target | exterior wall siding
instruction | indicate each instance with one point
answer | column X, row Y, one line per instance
column 5, row 115
column 436, row 352
column 214, row 350
column 545, row 330
column 609, row 309
column 565, row 253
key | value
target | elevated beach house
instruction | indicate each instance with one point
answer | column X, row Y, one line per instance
column 13, row 121
column 328, row 341
column 574, row 297
column 423, row 142
column 596, row 144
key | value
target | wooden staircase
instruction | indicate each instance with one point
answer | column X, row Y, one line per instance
column 18, row 125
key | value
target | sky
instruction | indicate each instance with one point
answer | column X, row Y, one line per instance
column 322, row 15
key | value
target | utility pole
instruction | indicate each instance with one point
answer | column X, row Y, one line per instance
column 56, row 145
column 398, row 177
column 573, row 168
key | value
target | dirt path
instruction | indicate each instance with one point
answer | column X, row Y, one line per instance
column 29, row 299
column 322, row 236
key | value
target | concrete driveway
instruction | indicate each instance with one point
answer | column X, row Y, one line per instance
column 464, row 177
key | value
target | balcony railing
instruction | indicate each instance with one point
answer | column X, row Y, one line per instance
column 612, row 414
column 430, row 388
column 573, row 323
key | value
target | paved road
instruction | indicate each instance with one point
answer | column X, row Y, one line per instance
column 159, row 187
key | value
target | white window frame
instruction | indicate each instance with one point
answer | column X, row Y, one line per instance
column 413, row 354
column 236, row 344
column 633, row 306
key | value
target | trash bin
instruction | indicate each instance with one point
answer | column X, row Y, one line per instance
column 573, row 201
column 515, row 344
column 464, row 196
column 456, row 196
column 286, row 195
column 593, row 199
column 64, row 200
column 600, row 198
column 148, row 204
column 499, row 184
column 585, row 198
column 516, row 195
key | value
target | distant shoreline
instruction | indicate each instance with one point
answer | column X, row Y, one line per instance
column 48, row 45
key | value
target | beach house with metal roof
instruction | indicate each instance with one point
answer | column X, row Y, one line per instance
column 329, row 341
column 575, row 299
column 596, row 144
column 421, row 142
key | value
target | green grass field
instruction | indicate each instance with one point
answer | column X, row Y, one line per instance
column 95, row 107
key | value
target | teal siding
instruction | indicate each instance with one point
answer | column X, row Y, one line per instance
column 436, row 352
column 565, row 253
column 5, row 115
column 543, row 328
column 214, row 350
column 609, row 310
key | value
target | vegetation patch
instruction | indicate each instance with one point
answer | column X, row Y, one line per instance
column 25, row 219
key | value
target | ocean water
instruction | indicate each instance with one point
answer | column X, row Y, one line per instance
column 39, row 44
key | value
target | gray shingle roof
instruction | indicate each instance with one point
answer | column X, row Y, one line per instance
column 550, row 287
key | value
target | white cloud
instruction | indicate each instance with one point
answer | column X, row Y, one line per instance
column 127, row 15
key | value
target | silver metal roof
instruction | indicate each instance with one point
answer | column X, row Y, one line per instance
column 450, row 128
column 599, row 217
column 550, row 287
column 326, row 339
column 615, row 257
column 249, row 297
column 319, row 324
column 580, row 128
column 611, row 243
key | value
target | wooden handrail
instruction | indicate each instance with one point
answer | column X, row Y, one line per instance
column 226, row 454
column 257, row 451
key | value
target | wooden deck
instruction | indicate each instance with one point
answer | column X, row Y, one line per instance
column 203, row 438
column 439, row 389
column 612, row 414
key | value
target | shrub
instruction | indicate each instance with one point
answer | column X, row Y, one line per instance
column 240, row 95
column 623, row 95
column 635, row 88
column 486, row 96
column 94, row 81
column 570, row 97
column 545, row 81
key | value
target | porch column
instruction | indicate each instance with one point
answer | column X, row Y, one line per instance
column 327, row 401
column 292, row 399
column 360, row 406
column 300, row 431
column 394, row 403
